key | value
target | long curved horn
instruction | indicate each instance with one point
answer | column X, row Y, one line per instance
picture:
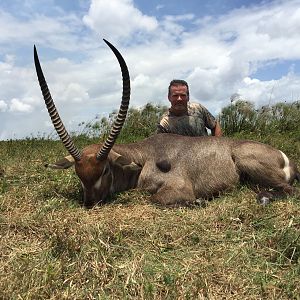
column 118, row 124
column 58, row 124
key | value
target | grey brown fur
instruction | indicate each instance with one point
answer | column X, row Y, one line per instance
column 197, row 167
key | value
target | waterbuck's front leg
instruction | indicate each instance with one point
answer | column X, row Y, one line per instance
column 174, row 196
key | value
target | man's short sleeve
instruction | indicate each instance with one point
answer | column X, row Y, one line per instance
column 209, row 119
column 202, row 112
column 163, row 125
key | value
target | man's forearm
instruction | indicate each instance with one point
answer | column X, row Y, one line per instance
column 217, row 131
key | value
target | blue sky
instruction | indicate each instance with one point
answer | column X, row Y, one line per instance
column 220, row 47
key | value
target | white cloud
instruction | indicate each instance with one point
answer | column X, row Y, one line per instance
column 159, row 6
column 56, row 32
column 177, row 18
column 74, row 92
column 3, row 106
column 140, row 80
column 272, row 91
column 17, row 105
column 118, row 19
column 265, row 32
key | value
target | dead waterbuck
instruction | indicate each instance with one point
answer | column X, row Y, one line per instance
column 176, row 170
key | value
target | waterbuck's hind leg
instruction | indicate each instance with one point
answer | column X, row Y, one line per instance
column 268, row 167
column 265, row 197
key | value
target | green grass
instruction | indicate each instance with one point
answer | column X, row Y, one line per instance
column 52, row 248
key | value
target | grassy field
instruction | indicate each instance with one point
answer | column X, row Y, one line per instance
column 52, row 248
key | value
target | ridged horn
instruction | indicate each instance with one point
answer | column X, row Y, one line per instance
column 118, row 124
column 58, row 124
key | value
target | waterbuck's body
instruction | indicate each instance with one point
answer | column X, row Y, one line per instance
column 176, row 169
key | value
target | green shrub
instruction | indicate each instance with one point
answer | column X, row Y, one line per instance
column 140, row 123
column 242, row 116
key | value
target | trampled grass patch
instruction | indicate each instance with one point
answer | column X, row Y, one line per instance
column 53, row 248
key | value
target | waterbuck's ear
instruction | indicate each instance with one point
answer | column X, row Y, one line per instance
column 123, row 162
column 64, row 163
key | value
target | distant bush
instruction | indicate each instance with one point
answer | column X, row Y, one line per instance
column 242, row 116
column 140, row 123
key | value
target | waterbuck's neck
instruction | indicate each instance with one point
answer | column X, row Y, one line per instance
column 125, row 177
column 135, row 152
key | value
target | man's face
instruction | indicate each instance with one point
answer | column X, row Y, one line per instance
column 179, row 98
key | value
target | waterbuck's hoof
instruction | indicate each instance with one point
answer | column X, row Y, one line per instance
column 264, row 198
column 201, row 202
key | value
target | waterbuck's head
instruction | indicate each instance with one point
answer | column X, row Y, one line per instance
column 94, row 165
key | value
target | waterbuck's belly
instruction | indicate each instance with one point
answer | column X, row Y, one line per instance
column 214, row 174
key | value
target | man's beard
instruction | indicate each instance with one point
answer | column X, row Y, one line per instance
column 179, row 109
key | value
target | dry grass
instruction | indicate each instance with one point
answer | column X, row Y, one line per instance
column 52, row 248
